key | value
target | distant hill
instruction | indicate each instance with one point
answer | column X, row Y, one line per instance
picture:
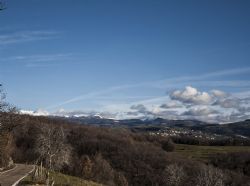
column 96, row 120
column 238, row 128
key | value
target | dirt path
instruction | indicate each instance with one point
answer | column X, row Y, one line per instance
column 9, row 178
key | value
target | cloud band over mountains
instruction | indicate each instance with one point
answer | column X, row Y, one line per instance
column 190, row 103
column 214, row 106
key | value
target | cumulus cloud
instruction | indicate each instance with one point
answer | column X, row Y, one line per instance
column 232, row 117
column 140, row 110
column 244, row 109
column 171, row 105
column 191, row 95
column 139, row 107
column 219, row 93
column 228, row 103
column 167, row 114
column 211, row 106
column 200, row 111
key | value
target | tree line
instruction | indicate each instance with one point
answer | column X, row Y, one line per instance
column 116, row 156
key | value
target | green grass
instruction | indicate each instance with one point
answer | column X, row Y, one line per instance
column 205, row 152
column 62, row 180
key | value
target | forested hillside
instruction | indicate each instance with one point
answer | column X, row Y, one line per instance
column 117, row 156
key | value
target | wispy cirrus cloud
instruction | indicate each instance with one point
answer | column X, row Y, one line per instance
column 223, row 107
column 170, row 83
column 214, row 105
column 26, row 36
column 217, row 111
column 40, row 60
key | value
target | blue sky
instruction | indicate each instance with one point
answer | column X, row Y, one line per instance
column 107, row 55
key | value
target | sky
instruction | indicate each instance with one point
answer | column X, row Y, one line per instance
column 128, row 58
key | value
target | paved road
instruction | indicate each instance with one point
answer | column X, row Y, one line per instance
column 10, row 177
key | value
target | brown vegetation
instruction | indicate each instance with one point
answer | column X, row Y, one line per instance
column 114, row 156
column 9, row 119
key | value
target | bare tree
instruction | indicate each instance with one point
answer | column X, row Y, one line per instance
column 2, row 98
column 86, row 167
column 103, row 171
column 120, row 179
column 9, row 119
column 209, row 176
column 173, row 175
column 52, row 147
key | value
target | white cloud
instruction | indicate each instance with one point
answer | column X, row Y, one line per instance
column 219, row 93
column 39, row 112
column 200, row 111
column 214, row 106
column 171, row 105
column 26, row 36
column 41, row 60
column 211, row 106
column 228, row 103
column 140, row 108
column 191, row 95
column 162, row 84
column 180, row 104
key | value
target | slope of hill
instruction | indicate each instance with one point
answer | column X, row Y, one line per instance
column 113, row 155
column 99, row 121
column 241, row 129
column 61, row 179
column 232, row 129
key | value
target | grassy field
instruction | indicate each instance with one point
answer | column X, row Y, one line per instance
column 62, row 180
column 205, row 152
